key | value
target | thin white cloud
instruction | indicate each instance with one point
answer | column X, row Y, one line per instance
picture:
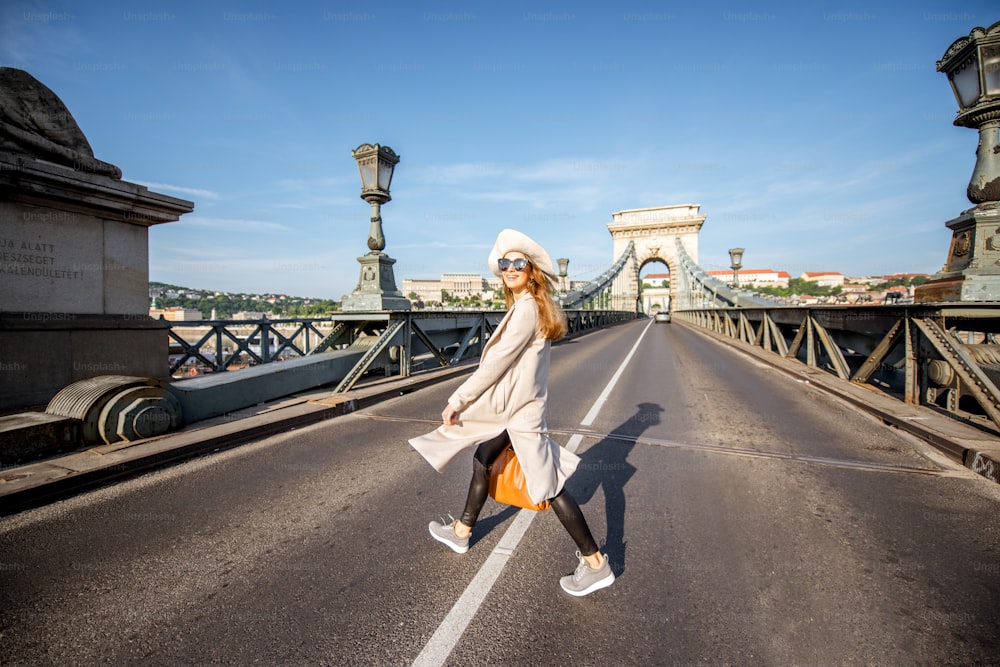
column 442, row 245
column 564, row 184
column 312, row 184
column 464, row 172
column 572, row 170
column 183, row 253
column 551, row 170
column 236, row 224
column 195, row 192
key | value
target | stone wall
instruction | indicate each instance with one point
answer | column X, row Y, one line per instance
column 74, row 266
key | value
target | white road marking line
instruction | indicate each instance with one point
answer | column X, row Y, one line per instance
column 441, row 643
column 444, row 639
column 599, row 403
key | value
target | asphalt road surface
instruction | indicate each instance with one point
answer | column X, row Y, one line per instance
column 750, row 519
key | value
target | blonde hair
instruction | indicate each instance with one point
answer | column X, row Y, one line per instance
column 551, row 318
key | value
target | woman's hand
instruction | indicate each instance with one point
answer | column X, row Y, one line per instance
column 449, row 415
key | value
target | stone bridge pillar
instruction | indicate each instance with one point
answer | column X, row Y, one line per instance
column 655, row 232
column 75, row 256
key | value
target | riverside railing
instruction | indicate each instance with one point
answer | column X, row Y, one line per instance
column 942, row 356
column 394, row 341
column 219, row 345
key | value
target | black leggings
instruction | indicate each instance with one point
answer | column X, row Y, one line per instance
column 565, row 507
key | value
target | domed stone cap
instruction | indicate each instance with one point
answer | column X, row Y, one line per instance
column 35, row 122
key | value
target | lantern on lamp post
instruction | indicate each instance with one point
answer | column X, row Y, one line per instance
column 376, row 288
column 563, row 263
column 375, row 164
column 736, row 263
column 972, row 65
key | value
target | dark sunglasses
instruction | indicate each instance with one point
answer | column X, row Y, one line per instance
column 519, row 264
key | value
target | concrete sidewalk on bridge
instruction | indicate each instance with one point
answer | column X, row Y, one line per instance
column 36, row 483
column 973, row 447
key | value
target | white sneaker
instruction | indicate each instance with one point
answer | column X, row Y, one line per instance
column 585, row 580
column 445, row 533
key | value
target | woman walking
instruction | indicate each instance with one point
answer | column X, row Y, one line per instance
column 505, row 402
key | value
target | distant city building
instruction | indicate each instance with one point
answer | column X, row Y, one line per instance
column 656, row 297
column 461, row 285
column 176, row 314
column 656, row 279
column 823, row 278
column 457, row 285
column 248, row 315
column 878, row 280
column 426, row 291
column 754, row 277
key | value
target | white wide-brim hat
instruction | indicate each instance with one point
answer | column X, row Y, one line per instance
column 511, row 240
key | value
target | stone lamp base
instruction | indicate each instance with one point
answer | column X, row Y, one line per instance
column 376, row 288
column 972, row 272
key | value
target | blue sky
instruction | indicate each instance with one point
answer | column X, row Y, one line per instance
column 817, row 135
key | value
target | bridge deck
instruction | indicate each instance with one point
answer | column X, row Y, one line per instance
column 750, row 518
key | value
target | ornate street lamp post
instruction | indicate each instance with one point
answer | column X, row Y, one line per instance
column 736, row 263
column 563, row 275
column 972, row 271
column 376, row 288
column 973, row 67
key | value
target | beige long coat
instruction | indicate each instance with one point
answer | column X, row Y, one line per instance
column 509, row 391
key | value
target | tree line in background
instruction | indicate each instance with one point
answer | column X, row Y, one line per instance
column 809, row 288
column 282, row 306
column 226, row 305
column 475, row 301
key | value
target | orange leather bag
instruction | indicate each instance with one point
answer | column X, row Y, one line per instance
column 507, row 483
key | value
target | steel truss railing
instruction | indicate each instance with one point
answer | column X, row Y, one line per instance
column 393, row 342
column 231, row 339
column 942, row 356
column 697, row 289
column 397, row 336
column 444, row 340
column 612, row 288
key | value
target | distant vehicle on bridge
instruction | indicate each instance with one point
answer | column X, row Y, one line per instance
column 662, row 316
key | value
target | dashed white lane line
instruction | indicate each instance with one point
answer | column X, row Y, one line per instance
column 599, row 403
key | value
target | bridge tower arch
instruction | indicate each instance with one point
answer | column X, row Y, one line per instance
column 655, row 232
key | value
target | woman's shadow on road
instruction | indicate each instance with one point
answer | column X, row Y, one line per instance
column 606, row 466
